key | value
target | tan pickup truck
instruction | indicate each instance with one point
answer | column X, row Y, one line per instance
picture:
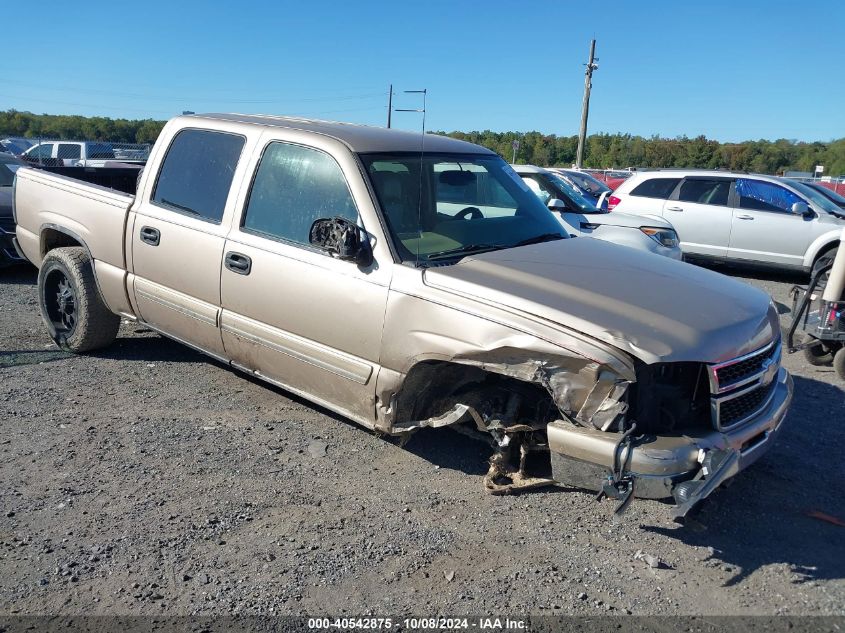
column 410, row 281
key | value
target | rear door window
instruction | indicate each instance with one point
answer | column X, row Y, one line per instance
column 69, row 150
column 294, row 186
column 660, row 188
column 759, row 195
column 197, row 173
column 704, row 191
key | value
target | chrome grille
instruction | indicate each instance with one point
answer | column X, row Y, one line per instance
column 741, row 387
column 746, row 368
column 735, row 410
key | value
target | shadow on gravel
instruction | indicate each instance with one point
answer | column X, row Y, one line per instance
column 449, row 449
column 23, row 274
column 19, row 358
column 151, row 349
column 763, row 518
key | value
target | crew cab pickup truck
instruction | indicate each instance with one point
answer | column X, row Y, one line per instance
column 409, row 281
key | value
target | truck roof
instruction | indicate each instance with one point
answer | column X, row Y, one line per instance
column 359, row 138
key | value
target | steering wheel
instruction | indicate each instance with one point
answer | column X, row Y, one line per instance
column 470, row 213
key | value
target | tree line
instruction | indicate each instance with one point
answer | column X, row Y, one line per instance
column 602, row 150
column 618, row 151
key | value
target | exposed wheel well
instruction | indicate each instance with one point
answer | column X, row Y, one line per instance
column 53, row 238
column 433, row 387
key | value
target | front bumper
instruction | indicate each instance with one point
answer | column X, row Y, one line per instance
column 687, row 467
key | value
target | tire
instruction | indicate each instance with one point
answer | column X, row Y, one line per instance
column 817, row 354
column 73, row 310
column 839, row 363
column 824, row 260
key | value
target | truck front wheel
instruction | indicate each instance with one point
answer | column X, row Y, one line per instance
column 71, row 305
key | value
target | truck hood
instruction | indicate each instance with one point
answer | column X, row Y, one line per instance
column 654, row 308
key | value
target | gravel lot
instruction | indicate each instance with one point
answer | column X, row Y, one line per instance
column 147, row 479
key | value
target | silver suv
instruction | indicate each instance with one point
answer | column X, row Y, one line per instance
column 738, row 217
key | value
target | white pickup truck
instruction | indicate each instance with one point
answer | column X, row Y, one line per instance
column 79, row 154
column 408, row 282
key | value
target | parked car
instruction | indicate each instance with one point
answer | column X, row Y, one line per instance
column 737, row 217
column 580, row 217
column 15, row 145
column 8, row 166
column 828, row 193
column 611, row 177
column 72, row 154
column 407, row 289
column 591, row 188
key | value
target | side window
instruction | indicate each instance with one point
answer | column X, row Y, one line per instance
column 764, row 196
column 538, row 189
column 294, row 186
column 705, row 191
column 69, row 150
column 656, row 188
column 42, row 151
column 197, row 173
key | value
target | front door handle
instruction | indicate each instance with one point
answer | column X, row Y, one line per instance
column 674, row 209
column 238, row 263
column 745, row 217
column 150, row 235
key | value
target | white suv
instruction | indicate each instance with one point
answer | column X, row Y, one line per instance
column 580, row 217
column 738, row 217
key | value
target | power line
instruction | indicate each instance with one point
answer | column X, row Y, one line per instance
column 195, row 98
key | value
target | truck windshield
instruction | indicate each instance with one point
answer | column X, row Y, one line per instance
column 441, row 207
column 572, row 194
column 817, row 199
column 587, row 183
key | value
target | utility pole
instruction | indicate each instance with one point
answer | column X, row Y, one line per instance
column 585, row 109
column 389, row 104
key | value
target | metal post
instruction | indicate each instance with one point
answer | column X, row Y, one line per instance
column 585, row 108
column 389, row 105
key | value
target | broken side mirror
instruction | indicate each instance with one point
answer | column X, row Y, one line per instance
column 341, row 238
column 556, row 204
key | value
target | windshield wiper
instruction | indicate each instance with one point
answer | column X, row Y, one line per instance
column 465, row 250
column 181, row 207
column 545, row 237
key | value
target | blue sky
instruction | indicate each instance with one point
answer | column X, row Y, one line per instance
column 730, row 70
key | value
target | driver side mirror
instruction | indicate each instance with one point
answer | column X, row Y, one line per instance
column 800, row 208
column 556, row 204
column 341, row 238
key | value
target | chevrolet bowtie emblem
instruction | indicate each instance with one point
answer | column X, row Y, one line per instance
column 770, row 370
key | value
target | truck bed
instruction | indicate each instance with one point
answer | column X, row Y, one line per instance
column 95, row 216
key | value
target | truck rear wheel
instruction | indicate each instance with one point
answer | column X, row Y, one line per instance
column 71, row 305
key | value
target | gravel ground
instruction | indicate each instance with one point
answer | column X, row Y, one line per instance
column 147, row 479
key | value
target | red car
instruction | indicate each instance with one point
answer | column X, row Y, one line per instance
column 611, row 177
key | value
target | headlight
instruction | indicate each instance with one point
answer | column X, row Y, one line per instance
column 664, row 237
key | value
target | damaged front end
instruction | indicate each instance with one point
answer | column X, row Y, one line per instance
column 662, row 431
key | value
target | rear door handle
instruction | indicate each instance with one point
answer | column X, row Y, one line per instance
column 150, row 235
column 238, row 263
column 674, row 209
column 745, row 217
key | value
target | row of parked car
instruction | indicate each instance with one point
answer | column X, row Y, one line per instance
column 712, row 216
column 54, row 153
